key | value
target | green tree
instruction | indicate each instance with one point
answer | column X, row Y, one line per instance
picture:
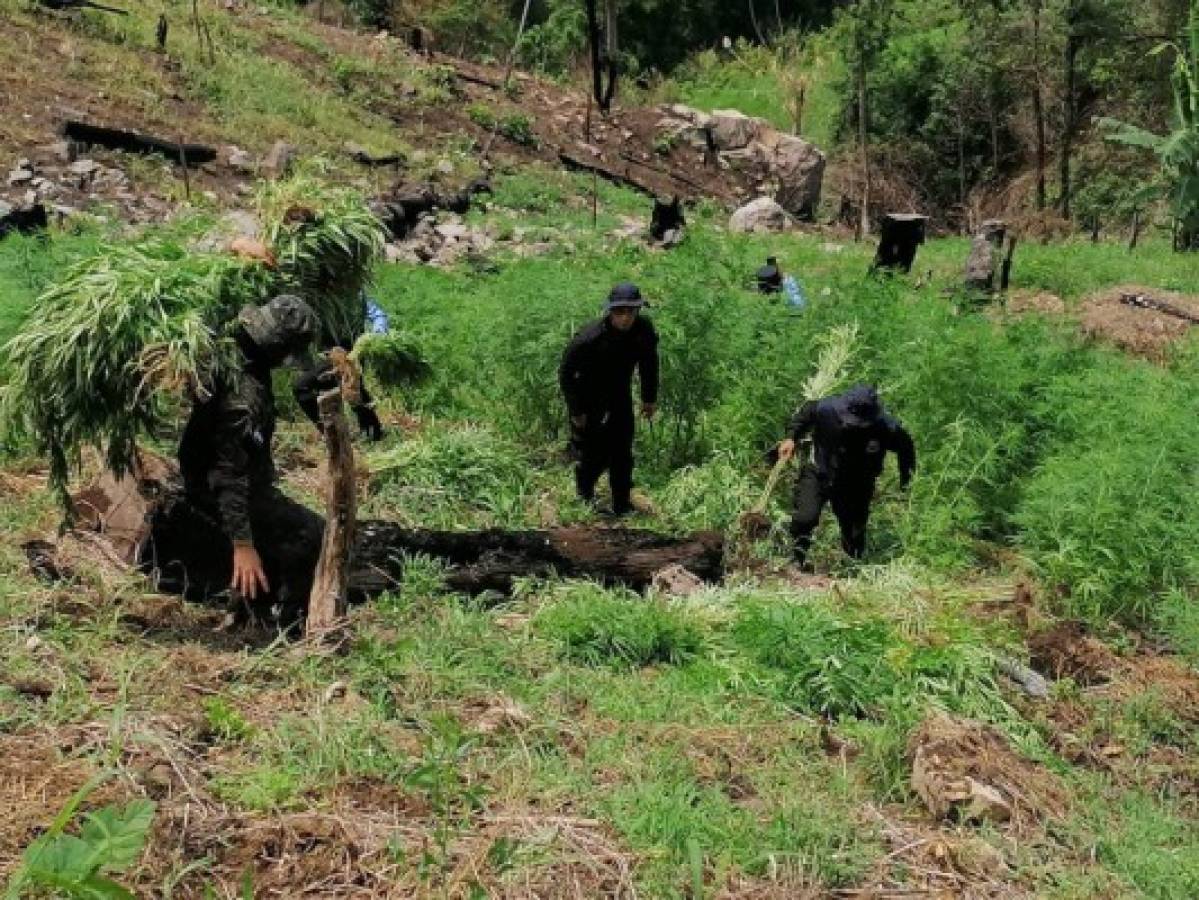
column 1178, row 151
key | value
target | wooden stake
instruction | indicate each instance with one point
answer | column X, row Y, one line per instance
column 187, row 184
column 330, row 587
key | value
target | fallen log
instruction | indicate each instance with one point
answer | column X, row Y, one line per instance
column 491, row 560
column 621, row 178
column 126, row 512
column 134, row 142
column 1144, row 301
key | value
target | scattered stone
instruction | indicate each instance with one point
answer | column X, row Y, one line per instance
column 503, row 714
column 761, row 216
column 676, row 581
column 84, row 167
column 242, row 224
column 239, row 160
column 279, row 161
column 1031, row 682
column 63, row 151
column 444, row 167
column 19, row 176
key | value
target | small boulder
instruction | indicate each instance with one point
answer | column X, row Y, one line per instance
column 677, row 581
column 760, row 216
column 20, row 176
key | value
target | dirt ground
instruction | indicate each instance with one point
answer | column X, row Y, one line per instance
column 1144, row 332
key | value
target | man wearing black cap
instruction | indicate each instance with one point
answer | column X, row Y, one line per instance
column 596, row 377
column 851, row 434
column 770, row 279
column 233, row 520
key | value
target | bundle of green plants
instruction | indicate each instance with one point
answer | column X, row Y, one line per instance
column 394, row 358
column 327, row 242
column 108, row 350
column 104, row 349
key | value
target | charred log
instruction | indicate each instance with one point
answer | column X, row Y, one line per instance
column 134, row 142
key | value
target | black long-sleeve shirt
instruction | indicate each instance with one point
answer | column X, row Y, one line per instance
column 225, row 452
column 844, row 452
column 596, row 373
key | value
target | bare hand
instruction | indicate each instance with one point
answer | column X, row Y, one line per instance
column 786, row 450
column 579, row 421
column 649, row 410
column 248, row 574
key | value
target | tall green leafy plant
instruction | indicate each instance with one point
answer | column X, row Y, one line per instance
column 1178, row 151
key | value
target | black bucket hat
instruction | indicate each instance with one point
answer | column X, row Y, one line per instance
column 625, row 295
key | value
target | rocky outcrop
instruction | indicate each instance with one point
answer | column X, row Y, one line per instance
column 785, row 167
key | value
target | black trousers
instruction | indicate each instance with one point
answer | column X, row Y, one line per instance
column 189, row 554
column 605, row 443
column 851, row 505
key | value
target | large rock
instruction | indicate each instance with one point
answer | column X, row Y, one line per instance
column 762, row 215
column 733, row 130
column 799, row 168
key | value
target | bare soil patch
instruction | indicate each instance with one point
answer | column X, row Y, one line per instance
column 1065, row 650
column 965, row 770
column 1144, row 332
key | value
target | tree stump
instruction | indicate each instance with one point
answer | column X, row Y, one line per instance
column 899, row 236
column 330, row 587
column 983, row 263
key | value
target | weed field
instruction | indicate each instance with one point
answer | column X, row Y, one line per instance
column 754, row 739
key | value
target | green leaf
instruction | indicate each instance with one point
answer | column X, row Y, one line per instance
column 117, row 836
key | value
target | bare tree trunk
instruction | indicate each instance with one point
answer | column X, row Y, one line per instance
column 1070, row 113
column 778, row 16
column 753, row 18
column 330, row 586
column 962, row 172
column 524, row 18
column 612, row 43
column 1038, row 108
column 593, row 34
column 864, row 220
column 993, row 103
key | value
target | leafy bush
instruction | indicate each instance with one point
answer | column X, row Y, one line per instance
column 600, row 627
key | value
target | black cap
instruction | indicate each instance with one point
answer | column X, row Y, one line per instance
column 284, row 326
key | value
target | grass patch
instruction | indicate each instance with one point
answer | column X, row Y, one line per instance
column 597, row 627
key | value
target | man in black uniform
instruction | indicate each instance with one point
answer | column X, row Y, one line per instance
column 851, row 434
column 770, row 278
column 596, row 377
column 233, row 528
